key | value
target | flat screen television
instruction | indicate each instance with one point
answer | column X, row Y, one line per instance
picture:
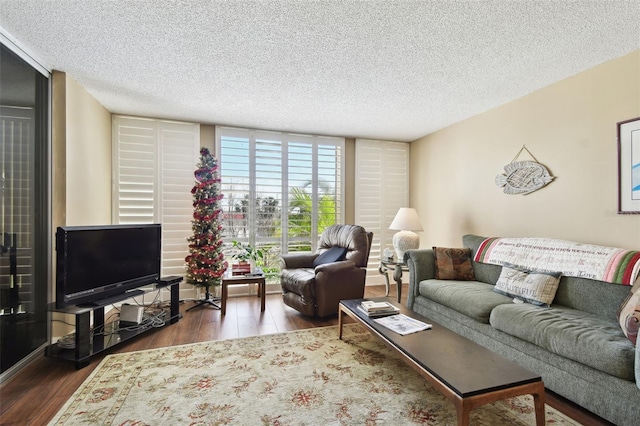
column 98, row 263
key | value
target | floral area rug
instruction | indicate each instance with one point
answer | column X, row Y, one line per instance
column 304, row 377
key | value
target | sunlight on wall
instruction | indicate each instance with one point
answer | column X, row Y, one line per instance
column 570, row 127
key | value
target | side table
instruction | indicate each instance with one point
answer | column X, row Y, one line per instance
column 235, row 280
column 398, row 267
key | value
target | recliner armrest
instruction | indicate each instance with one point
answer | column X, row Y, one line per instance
column 336, row 267
column 337, row 281
column 297, row 260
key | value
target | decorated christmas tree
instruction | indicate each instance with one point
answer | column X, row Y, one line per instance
column 205, row 263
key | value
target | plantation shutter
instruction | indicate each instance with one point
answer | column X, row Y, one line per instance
column 180, row 144
column 135, row 167
column 329, row 161
column 268, row 186
column 153, row 165
column 382, row 187
column 302, row 218
column 236, row 183
column 280, row 190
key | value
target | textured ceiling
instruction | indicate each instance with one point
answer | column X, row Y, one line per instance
column 379, row 69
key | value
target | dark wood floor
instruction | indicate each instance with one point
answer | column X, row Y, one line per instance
column 34, row 395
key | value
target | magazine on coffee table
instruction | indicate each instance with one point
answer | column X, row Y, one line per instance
column 377, row 309
column 402, row 324
column 379, row 313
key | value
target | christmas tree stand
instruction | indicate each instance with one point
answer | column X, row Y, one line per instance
column 208, row 300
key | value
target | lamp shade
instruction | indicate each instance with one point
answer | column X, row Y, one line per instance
column 406, row 220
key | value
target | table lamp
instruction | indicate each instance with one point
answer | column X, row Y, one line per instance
column 406, row 221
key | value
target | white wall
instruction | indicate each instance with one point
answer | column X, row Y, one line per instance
column 88, row 158
column 81, row 151
column 570, row 127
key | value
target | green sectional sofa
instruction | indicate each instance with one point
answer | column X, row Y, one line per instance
column 576, row 344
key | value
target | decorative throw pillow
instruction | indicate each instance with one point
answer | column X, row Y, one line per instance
column 453, row 264
column 334, row 254
column 536, row 287
column 629, row 313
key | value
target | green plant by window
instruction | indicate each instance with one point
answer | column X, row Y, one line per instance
column 245, row 252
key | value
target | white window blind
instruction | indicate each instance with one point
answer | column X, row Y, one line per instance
column 135, row 166
column 153, row 165
column 382, row 187
column 280, row 189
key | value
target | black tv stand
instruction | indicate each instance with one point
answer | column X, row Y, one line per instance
column 85, row 345
column 113, row 299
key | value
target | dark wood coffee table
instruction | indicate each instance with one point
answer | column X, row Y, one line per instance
column 463, row 371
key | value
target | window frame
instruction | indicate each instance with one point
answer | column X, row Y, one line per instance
column 285, row 139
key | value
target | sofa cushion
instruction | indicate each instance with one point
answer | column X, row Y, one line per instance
column 453, row 264
column 471, row 298
column 573, row 334
column 629, row 314
column 591, row 296
column 538, row 288
column 483, row 272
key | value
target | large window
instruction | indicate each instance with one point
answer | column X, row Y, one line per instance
column 281, row 190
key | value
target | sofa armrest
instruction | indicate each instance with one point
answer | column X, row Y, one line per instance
column 637, row 365
column 422, row 266
column 297, row 260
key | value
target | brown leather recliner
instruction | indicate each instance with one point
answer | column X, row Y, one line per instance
column 316, row 290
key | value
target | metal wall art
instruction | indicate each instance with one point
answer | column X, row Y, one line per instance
column 629, row 166
column 523, row 177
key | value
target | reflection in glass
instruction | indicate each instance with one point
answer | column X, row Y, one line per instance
column 23, row 208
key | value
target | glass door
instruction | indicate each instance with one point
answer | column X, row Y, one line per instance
column 24, row 211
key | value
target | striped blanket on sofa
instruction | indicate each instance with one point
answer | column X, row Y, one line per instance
column 608, row 264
